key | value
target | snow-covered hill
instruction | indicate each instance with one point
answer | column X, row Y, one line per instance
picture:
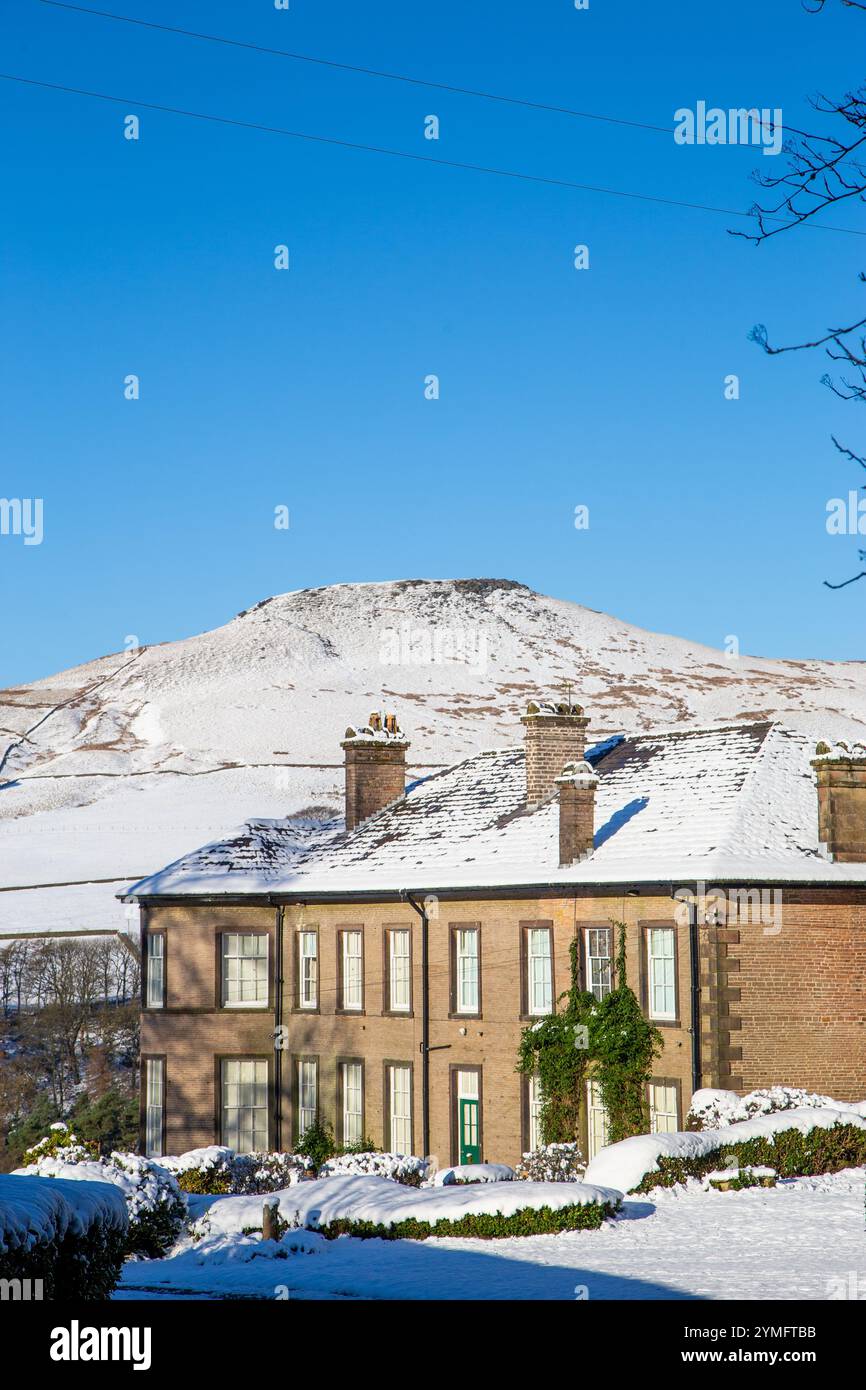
column 114, row 768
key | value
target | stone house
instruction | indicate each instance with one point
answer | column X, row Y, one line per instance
column 380, row 974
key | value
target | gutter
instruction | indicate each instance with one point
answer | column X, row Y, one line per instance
column 481, row 891
column 425, row 1019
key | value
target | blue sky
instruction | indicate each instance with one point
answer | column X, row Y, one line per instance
column 305, row 388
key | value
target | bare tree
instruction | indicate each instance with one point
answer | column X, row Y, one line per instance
column 823, row 171
column 71, row 1011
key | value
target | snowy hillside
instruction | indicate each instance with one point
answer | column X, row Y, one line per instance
column 110, row 770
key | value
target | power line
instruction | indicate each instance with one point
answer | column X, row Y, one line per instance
column 366, row 72
column 405, row 154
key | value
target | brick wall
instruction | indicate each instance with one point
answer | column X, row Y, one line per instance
column 576, row 818
column 781, row 1006
column 192, row 1037
column 551, row 741
column 802, row 1004
column 192, row 1030
column 375, row 776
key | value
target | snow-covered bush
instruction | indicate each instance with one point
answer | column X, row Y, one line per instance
column 62, row 1144
column 219, row 1170
column 712, row 1109
column 464, row 1174
column 70, row 1236
column 268, row 1172
column 400, row 1168
column 208, row 1170
column 804, row 1142
column 155, row 1205
column 552, row 1163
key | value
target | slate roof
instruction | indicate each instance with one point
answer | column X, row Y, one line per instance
column 733, row 803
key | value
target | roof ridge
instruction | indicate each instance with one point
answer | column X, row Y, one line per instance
column 716, row 728
column 745, row 792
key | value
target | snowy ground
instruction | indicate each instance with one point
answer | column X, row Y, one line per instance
column 802, row 1240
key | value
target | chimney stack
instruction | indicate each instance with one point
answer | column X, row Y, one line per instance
column 576, row 812
column 841, row 775
column 375, row 767
column 555, row 734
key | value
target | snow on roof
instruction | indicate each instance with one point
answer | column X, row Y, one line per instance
column 733, row 802
column 253, row 854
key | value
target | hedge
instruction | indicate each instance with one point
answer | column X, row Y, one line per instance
column 529, row 1221
column 792, row 1154
column 76, row 1267
column 71, row 1236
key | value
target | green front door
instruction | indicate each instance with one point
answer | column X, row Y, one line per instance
column 470, row 1149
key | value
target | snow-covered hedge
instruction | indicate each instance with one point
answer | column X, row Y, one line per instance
column 402, row 1168
column 797, row 1143
column 471, row 1173
column 710, row 1109
column 155, row 1205
column 217, row 1169
column 71, row 1236
column 553, row 1163
column 372, row 1206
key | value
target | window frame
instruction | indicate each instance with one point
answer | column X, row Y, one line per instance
column 311, row 1058
column 526, row 1112
column 593, row 1108
column 222, row 1057
column 388, row 1119
column 257, row 1005
column 525, row 991
column 664, row 1020
column 149, row 935
column 585, row 928
column 454, row 1011
column 342, row 1007
column 670, row 1083
column 343, row 1062
column 298, row 1005
column 146, row 1059
column 388, row 1011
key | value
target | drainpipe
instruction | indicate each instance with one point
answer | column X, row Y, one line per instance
column 425, row 1022
column 278, row 1019
column 695, row 992
column 694, row 952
